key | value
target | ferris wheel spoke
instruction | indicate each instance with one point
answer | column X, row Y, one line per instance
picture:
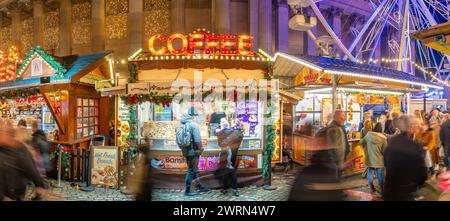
column 330, row 31
column 366, row 26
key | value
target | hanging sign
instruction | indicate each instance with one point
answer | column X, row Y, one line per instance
column 201, row 43
column 105, row 166
column 138, row 88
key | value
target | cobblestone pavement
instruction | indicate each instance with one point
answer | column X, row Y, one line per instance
column 282, row 181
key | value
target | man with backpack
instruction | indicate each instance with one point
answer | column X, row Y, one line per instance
column 189, row 140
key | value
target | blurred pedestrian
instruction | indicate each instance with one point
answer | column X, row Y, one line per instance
column 16, row 168
column 140, row 183
column 404, row 160
column 230, row 139
column 41, row 144
column 374, row 144
column 444, row 135
column 427, row 138
column 319, row 181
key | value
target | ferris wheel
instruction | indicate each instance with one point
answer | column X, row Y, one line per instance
column 396, row 20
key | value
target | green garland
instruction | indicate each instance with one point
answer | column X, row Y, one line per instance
column 132, row 138
column 21, row 93
column 133, row 71
column 270, row 136
column 268, row 72
column 60, row 70
column 154, row 97
column 65, row 162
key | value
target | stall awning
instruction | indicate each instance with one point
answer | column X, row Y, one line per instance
column 286, row 68
column 290, row 97
column 436, row 37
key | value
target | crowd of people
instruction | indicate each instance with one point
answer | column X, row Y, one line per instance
column 401, row 151
column 24, row 160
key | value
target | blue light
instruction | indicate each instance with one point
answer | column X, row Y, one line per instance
column 441, row 93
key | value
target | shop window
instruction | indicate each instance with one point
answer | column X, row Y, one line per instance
column 87, row 117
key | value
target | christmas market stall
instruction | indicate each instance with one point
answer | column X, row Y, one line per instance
column 58, row 93
column 147, row 114
column 327, row 84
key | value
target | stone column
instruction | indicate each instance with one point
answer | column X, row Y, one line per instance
column 98, row 26
column 253, row 8
column 282, row 34
column 135, row 26
column 16, row 27
column 222, row 16
column 65, row 28
column 38, row 23
column 265, row 26
column 177, row 16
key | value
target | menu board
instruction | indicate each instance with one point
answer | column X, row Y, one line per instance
column 247, row 113
column 162, row 113
column 105, row 166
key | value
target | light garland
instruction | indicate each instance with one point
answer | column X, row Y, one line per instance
column 355, row 90
column 49, row 61
column 8, row 64
column 352, row 74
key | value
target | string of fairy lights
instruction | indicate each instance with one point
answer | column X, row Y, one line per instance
column 416, row 65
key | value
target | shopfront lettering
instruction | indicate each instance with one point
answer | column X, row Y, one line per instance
column 201, row 43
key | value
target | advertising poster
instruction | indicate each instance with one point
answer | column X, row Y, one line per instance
column 209, row 163
column 356, row 156
column 247, row 113
column 162, row 113
column 105, row 166
column 169, row 162
column 248, row 161
column 123, row 127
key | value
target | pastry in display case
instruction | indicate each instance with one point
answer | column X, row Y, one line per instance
column 159, row 129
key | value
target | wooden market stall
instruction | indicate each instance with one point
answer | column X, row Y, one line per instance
column 328, row 84
column 59, row 92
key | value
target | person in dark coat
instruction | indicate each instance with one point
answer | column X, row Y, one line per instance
column 404, row 160
column 319, row 181
column 229, row 139
column 40, row 143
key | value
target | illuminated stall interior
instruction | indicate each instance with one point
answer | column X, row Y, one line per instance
column 359, row 88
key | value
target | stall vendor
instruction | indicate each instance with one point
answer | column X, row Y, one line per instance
column 214, row 119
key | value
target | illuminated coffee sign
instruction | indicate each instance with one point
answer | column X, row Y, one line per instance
column 201, row 43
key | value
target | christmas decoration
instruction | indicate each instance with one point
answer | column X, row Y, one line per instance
column 20, row 93
column 268, row 72
column 154, row 97
column 270, row 136
column 133, row 71
column 133, row 121
column 65, row 157
column 8, row 64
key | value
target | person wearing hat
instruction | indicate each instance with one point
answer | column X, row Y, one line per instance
column 193, row 154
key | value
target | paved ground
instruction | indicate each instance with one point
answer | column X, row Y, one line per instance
column 357, row 186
